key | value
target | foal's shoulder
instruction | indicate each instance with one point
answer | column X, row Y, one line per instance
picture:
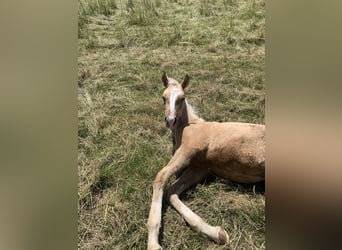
column 201, row 131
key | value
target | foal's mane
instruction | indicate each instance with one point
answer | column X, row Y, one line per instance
column 192, row 114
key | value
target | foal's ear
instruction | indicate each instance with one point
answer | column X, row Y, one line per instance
column 165, row 80
column 185, row 81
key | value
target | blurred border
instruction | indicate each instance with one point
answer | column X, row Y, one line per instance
column 303, row 119
column 38, row 125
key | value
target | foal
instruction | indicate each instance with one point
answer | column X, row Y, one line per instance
column 234, row 151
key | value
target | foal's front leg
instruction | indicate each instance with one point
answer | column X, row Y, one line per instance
column 178, row 161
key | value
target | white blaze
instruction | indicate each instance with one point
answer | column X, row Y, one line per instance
column 174, row 94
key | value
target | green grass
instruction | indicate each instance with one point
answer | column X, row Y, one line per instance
column 124, row 46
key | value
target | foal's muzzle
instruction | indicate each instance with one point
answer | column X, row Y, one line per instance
column 170, row 122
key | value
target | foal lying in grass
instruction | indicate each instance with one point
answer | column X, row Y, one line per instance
column 234, row 151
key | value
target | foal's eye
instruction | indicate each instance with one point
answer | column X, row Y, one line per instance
column 163, row 99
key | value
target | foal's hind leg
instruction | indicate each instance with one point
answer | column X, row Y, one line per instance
column 189, row 178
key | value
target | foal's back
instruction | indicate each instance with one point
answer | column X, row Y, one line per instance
column 235, row 151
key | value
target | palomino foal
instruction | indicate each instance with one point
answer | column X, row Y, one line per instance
column 234, row 151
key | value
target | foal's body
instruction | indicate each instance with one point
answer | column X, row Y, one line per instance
column 234, row 151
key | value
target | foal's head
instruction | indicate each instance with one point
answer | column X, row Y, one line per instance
column 174, row 99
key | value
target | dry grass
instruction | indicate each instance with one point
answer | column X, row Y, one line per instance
column 123, row 49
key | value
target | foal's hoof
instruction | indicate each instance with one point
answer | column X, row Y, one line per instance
column 155, row 247
column 223, row 236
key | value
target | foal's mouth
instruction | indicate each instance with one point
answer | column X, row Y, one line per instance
column 170, row 122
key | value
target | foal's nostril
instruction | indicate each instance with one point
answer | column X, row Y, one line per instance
column 170, row 122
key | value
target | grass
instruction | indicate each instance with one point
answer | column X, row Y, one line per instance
column 124, row 46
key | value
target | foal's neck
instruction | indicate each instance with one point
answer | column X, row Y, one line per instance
column 187, row 117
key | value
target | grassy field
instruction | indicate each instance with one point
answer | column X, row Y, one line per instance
column 124, row 46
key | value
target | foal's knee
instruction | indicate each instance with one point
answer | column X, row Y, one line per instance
column 172, row 199
column 160, row 179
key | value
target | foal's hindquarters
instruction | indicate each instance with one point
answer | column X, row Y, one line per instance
column 234, row 151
